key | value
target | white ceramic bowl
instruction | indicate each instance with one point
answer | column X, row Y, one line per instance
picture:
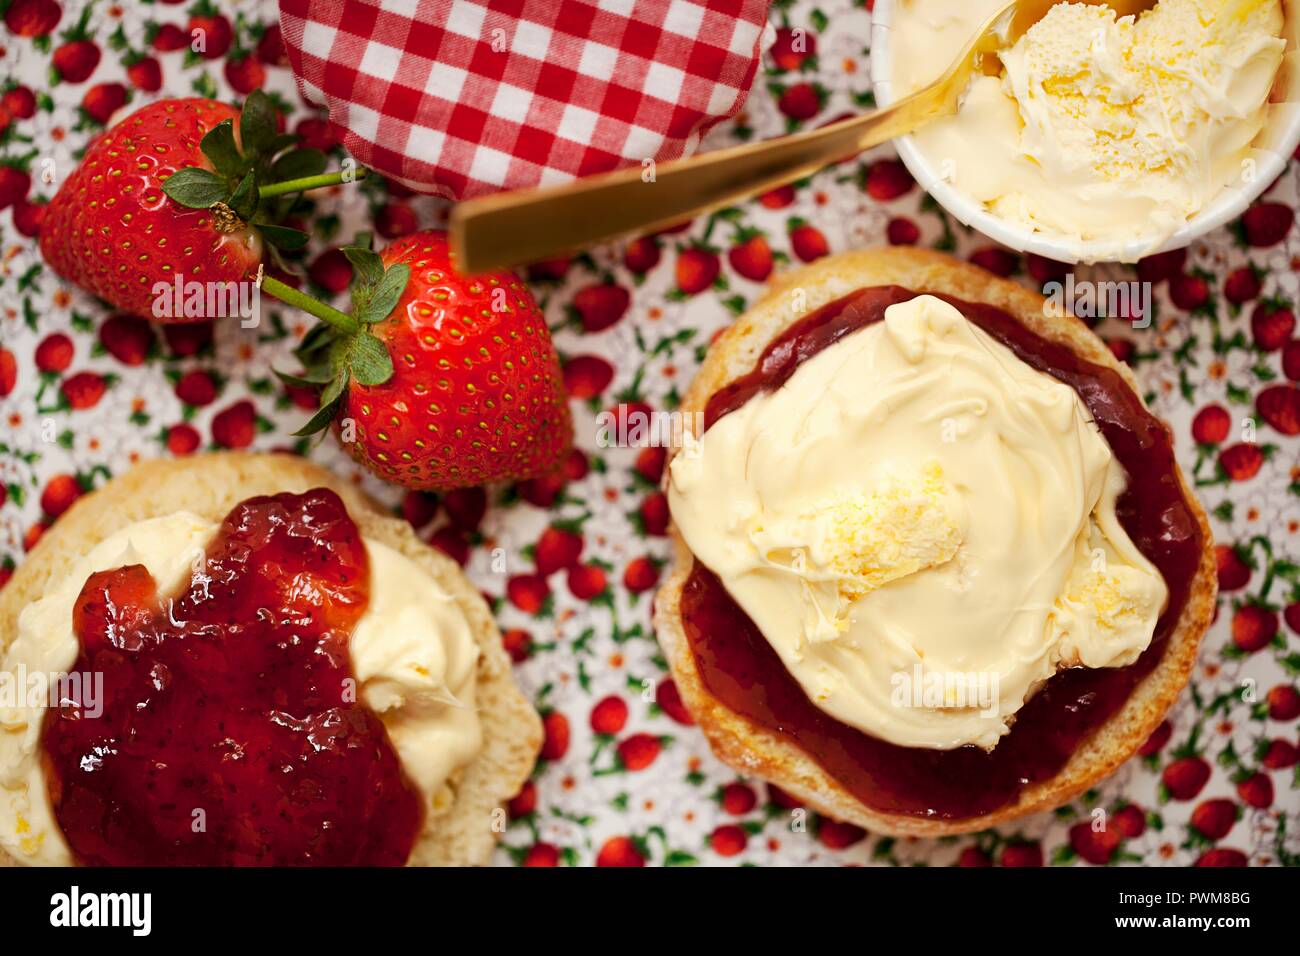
column 1276, row 142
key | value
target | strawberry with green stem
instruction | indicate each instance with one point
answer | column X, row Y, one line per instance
column 436, row 380
column 177, row 189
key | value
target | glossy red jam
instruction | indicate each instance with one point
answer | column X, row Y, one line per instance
column 231, row 732
column 740, row 668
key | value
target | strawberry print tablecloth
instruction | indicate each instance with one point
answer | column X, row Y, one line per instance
column 624, row 779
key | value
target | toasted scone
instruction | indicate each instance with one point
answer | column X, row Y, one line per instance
column 210, row 485
column 752, row 749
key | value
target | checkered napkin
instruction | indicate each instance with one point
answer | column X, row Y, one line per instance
column 465, row 97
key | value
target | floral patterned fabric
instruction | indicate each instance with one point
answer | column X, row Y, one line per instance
column 624, row 778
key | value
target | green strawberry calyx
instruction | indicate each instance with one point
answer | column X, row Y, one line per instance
column 243, row 185
column 342, row 349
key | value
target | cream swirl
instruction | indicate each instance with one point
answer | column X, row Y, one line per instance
column 916, row 503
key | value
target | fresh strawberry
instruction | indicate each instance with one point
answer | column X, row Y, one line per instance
column 1272, row 324
column 751, row 257
column 210, row 223
column 1279, row 405
column 32, row 18
column 437, row 380
column 1266, row 223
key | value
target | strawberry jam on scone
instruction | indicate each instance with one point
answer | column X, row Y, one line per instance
column 231, row 732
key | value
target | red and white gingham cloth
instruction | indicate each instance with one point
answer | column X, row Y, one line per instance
column 465, row 97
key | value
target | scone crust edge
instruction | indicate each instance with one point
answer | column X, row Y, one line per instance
column 210, row 485
column 751, row 749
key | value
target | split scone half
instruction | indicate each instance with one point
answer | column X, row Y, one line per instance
column 935, row 566
column 426, row 654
